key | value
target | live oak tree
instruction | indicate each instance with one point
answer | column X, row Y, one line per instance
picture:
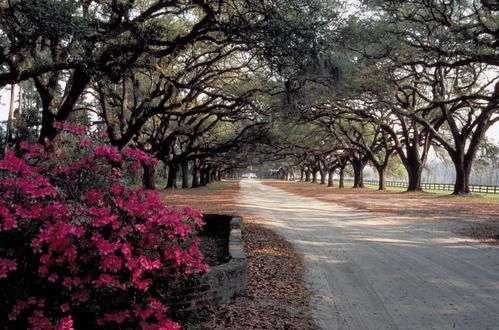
column 209, row 86
column 488, row 157
column 451, row 49
column 366, row 141
column 307, row 146
column 459, row 110
column 73, row 44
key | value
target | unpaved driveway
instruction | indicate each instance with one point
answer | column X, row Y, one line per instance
column 372, row 272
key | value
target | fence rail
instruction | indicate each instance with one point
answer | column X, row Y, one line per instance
column 436, row 186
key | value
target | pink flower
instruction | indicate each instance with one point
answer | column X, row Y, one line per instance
column 69, row 128
column 52, row 278
column 101, row 222
column 157, row 305
column 59, row 210
column 105, row 247
column 24, row 145
column 42, row 270
column 58, row 124
column 106, row 279
column 80, row 130
column 39, row 321
column 168, row 325
column 92, row 197
column 89, row 232
column 117, row 173
column 118, row 318
column 67, row 282
column 117, row 189
column 192, row 213
column 6, row 266
column 112, row 263
column 149, row 264
column 142, row 285
column 9, row 221
column 112, row 153
column 18, row 308
column 66, row 323
column 17, row 165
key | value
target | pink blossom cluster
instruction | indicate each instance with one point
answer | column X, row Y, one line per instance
column 77, row 130
column 78, row 248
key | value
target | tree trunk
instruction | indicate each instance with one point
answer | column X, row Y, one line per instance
column 302, row 175
column 210, row 176
column 185, row 175
column 358, row 180
column 205, row 177
column 167, row 167
column 148, row 176
column 358, row 173
column 195, row 177
column 414, row 173
column 314, row 176
column 381, row 174
column 49, row 135
column 323, row 177
column 124, row 106
column 10, row 119
column 307, row 176
column 202, row 178
column 172, row 176
column 461, row 185
column 330, row 178
column 342, row 177
column 20, row 105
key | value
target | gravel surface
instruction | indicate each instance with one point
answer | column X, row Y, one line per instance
column 380, row 272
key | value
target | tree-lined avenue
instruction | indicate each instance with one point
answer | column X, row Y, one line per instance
column 372, row 272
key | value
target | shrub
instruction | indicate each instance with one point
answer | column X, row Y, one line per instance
column 78, row 248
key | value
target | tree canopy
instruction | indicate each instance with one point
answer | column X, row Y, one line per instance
column 192, row 81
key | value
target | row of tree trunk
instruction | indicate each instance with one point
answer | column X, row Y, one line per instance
column 308, row 175
column 201, row 175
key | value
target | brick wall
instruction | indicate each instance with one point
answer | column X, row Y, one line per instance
column 217, row 286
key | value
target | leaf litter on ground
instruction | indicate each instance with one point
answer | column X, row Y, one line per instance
column 276, row 297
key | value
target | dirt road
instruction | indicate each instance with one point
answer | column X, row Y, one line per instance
column 372, row 272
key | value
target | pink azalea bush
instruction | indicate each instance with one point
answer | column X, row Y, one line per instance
column 79, row 249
